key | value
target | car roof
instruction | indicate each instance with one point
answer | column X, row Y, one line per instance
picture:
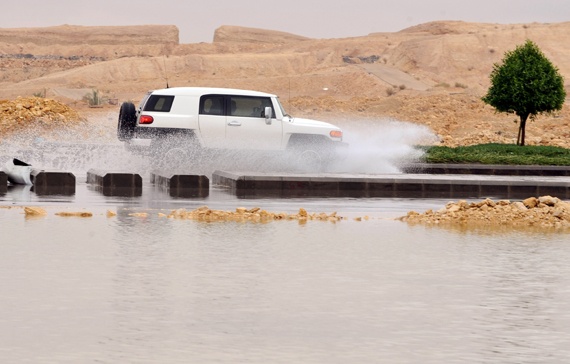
column 198, row 91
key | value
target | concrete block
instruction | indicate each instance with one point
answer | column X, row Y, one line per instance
column 3, row 182
column 465, row 189
column 226, row 179
column 490, row 169
column 437, row 190
column 353, row 185
column 494, row 190
column 396, row 185
column 52, row 182
column 522, row 191
column 409, row 189
column 381, row 188
column 116, row 183
column 562, row 192
column 182, row 185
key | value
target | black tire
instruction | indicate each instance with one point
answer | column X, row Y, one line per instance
column 127, row 121
column 309, row 160
column 310, row 152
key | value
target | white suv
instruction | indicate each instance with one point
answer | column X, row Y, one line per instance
column 219, row 118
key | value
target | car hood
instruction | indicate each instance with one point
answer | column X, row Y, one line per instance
column 313, row 123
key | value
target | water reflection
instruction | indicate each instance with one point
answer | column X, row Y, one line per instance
column 144, row 288
column 522, row 291
column 481, row 228
column 139, row 287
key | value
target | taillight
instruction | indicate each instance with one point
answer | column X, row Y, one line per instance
column 336, row 134
column 146, row 119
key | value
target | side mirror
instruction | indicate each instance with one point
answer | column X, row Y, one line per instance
column 268, row 114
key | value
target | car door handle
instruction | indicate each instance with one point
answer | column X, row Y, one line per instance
column 234, row 123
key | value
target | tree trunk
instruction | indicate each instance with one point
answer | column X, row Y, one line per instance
column 522, row 130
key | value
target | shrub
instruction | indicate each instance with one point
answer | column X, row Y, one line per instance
column 94, row 99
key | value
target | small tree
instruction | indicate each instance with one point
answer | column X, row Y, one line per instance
column 526, row 84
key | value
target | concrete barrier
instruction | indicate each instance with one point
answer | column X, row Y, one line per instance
column 396, row 185
column 181, row 185
column 52, row 182
column 487, row 169
column 115, row 183
column 3, row 182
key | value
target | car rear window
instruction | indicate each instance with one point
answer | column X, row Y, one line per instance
column 159, row 103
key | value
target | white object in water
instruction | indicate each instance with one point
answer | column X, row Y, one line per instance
column 18, row 172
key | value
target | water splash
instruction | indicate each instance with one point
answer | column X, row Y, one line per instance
column 383, row 146
column 73, row 147
column 375, row 147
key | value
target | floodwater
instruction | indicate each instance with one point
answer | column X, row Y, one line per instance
column 148, row 289
column 156, row 290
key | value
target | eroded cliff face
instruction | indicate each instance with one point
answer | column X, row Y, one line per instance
column 74, row 35
column 81, row 45
column 229, row 33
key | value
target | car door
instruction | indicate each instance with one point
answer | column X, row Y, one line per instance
column 212, row 121
column 246, row 124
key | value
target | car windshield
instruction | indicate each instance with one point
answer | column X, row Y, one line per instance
column 283, row 112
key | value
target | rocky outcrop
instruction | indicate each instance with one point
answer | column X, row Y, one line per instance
column 253, row 35
column 543, row 212
column 29, row 53
column 74, row 35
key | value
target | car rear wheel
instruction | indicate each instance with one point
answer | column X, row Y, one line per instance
column 127, row 121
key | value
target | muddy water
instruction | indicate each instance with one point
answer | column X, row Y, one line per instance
column 155, row 290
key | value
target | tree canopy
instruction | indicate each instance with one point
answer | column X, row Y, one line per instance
column 526, row 84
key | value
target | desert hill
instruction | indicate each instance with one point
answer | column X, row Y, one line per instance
column 433, row 73
column 73, row 35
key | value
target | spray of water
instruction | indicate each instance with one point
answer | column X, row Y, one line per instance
column 73, row 147
column 383, row 146
column 375, row 147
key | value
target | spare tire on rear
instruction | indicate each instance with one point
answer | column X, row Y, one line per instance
column 127, row 121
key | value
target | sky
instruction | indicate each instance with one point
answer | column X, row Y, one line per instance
column 197, row 20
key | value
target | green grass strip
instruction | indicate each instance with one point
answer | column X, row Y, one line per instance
column 508, row 154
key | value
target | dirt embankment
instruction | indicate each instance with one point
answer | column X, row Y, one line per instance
column 30, row 112
column 542, row 212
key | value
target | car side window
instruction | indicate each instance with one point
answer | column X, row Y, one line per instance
column 212, row 105
column 248, row 106
column 159, row 103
